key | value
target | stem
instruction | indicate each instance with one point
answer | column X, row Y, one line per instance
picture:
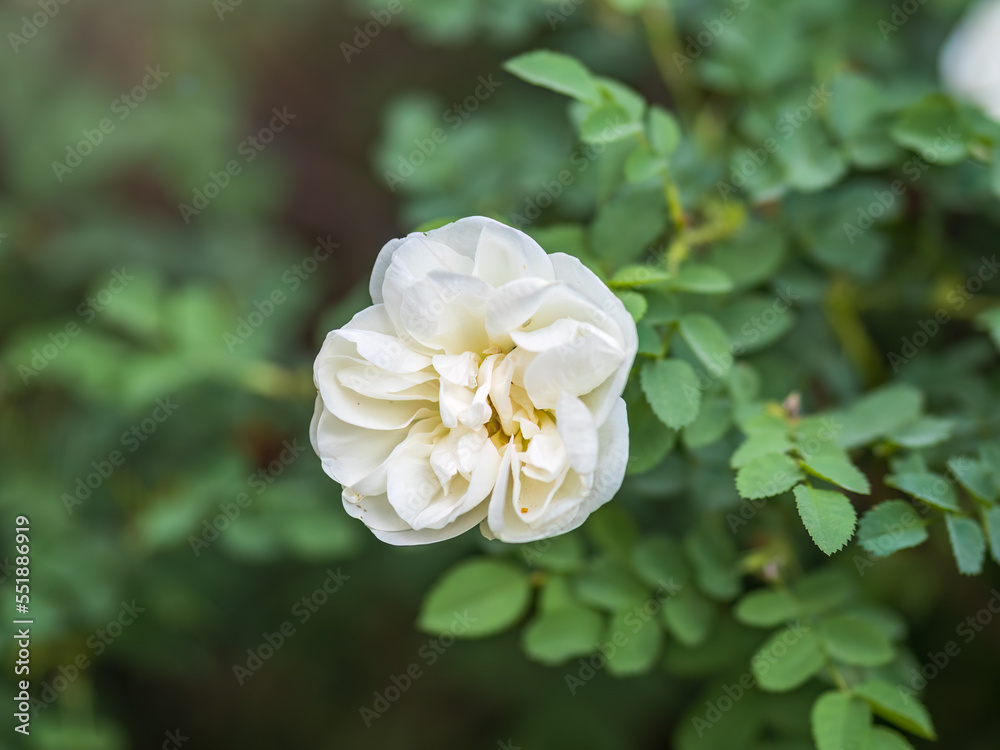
column 846, row 322
column 664, row 43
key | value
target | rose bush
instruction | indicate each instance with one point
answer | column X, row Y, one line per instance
column 483, row 386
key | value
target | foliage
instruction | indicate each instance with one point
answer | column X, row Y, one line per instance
column 801, row 223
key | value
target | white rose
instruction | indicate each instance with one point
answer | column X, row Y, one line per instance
column 970, row 59
column 483, row 386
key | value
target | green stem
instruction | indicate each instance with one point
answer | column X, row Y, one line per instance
column 664, row 43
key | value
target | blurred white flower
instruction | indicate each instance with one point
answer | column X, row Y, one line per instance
column 483, row 386
column 970, row 59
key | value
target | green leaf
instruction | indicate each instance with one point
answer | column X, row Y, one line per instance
column 559, row 635
column 492, row 594
column 855, row 640
column 626, row 97
column 664, row 132
column 993, row 527
column 671, row 387
column 760, row 444
column 787, row 659
column 606, row 124
column 931, row 127
column 823, row 591
column 858, row 102
column 809, row 160
column 642, row 164
column 713, row 421
column 708, row 341
column 562, row 553
column 634, row 302
column 922, row 432
column 638, row 275
column 989, row 454
column 688, row 617
column 767, row 475
column 613, row 530
column 990, row 319
column 829, row 517
column 607, row 584
column 754, row 322
column 880, row 738
column 555, row 71
column 837, row 468
column 713, row 555
column 890, row 527
column 927, row 486
column 628, row 225
column 840, row 722
column 975, row 476
column 967, row 543
column 649, row 439
column 699, row 279
column 897, row 707
column 650, row 342
column 766, row 608
column 557, row 593
column 879, row 413
column 660, row 559
column 637, row 643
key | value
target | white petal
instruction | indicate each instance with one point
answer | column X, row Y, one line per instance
column 578, row 431
column 362, row 411
column 446, row 311
column 576, row 498
column 460, row 369
column 351, row 454
column 384, row 351
column 381, row 266
column 374, row 382
column 577, row 366
column 453, row 401
column 545, row 458
column 409, row 537
column 573, row 272
column 612, row 458
column 500, row 393
column 505, row 254
column 970, row 58
column 373, row 510
column 412, row 262
column 511, row 306
column 417, row 495
column 479, row 411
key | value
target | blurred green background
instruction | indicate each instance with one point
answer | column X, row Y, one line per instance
column 164, row 286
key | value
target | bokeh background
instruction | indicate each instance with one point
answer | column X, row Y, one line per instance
column 116, row 300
